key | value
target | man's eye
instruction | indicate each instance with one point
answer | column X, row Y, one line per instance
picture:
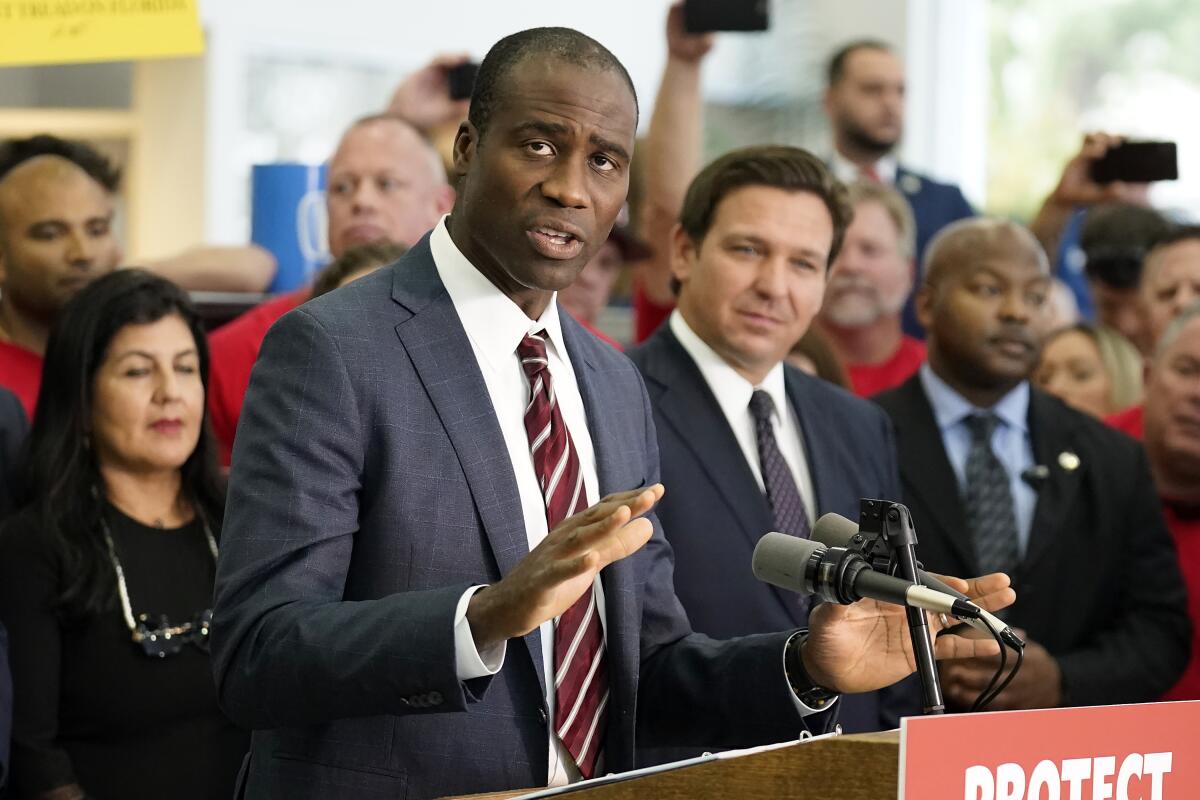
column 539, row 148
column 603, row 163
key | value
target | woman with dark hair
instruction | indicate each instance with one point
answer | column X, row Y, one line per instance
column 106, row 572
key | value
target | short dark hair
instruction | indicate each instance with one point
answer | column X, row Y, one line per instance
column 15, row 152
column 837, row 62
column 64, row 491
column 364, row 256
column 565, row 44
column 1115, row 238
column 774, row 166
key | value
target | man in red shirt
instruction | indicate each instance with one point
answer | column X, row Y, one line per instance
column 56, row 213
column 1169, row 423
column 385, row 183
column 868, row 286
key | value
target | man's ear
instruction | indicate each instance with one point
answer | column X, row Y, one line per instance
column 924, row 304
column 465, row 143
column 683, row 255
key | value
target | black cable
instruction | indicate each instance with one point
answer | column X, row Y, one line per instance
column 987, row 695
column 1016, row 668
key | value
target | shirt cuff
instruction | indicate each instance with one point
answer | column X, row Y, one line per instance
column 469, row 662
column 803, row 708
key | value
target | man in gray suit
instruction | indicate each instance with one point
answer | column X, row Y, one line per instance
column 418, row 592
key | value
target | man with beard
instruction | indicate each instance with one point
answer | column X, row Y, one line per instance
column 999, row 475
column 868, row 284
column 864, row 101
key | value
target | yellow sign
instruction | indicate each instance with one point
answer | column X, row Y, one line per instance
column 72, row 31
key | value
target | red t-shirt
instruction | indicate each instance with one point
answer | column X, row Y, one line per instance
column 871, row 379
column 647, row 314
column 21, row 374
column 1184, row 524
column 233, row 349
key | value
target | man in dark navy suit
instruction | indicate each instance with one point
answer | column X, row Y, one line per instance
column 757, row 233
column 864, row 101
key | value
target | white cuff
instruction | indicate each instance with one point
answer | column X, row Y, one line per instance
column 800, row 705
column 468, row 661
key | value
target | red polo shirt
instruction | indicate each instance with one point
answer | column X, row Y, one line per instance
column 871, row 379
column 233, row 349
column 1184, row 523
column 21, row 374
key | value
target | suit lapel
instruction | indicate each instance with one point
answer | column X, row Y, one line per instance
column 689, row 407
column 441, row 354
column 926, row 471
column 1051, row 433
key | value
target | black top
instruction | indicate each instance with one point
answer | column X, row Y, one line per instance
column 91, row 708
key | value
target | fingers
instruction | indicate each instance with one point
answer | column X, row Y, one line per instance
column 957, row 647
column 990, row 592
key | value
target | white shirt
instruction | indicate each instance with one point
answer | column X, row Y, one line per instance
column 495, row 325
column 847, row 171
column 733, row 393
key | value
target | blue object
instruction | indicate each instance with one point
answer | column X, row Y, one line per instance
column 288, row 218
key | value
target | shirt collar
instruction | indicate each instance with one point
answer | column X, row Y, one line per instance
column 950, row 408
column 847, row 171
column 494, row 323
column 733, row 392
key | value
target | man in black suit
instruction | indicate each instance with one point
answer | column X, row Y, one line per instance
column 758, row 230
column 1001, row 476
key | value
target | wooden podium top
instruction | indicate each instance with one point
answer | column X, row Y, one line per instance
column 854, row 767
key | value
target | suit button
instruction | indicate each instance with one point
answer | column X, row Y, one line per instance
column 435, row 698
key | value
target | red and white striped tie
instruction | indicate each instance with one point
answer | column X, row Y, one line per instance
column 580, row 671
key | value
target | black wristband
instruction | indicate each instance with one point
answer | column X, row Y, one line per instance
column 809, row 693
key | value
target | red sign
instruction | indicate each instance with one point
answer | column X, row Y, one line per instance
column 1136, row 752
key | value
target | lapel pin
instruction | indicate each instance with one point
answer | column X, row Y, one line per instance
column 910, row 184
column 1068, row 461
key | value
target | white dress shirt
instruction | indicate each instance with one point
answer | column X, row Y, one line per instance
column 847, row 171
column 495, row 325
column 733, row 393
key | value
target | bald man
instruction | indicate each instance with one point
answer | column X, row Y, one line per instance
column 386, row 183
column 1000, row 476
column 55, row 236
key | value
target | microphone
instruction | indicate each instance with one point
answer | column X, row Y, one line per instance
column 1036, row 475
column 838, row 575
column 834, row 530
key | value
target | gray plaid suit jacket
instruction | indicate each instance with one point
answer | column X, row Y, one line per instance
column 370, row 488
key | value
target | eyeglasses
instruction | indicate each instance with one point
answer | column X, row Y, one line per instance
column 164, row 639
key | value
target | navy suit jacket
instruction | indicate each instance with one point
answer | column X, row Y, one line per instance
column 371, row 486
column 6, row 706
column 714, row 512
column 1100, row 585
column 934, row 205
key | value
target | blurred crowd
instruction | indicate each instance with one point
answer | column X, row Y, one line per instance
column 1038, row 418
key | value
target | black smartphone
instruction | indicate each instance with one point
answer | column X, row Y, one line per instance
column 703, row 16
column 1137, row 162
column 461, row 80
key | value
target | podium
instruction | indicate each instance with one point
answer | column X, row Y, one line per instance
column 853, row 767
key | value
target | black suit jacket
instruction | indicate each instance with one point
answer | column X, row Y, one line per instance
column 714, row 512
column 13, row 430
column 1100, row 585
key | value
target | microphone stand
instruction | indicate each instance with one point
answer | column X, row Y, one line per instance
column 894, row 523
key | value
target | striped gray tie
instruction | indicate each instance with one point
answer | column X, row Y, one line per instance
column 990, row 513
